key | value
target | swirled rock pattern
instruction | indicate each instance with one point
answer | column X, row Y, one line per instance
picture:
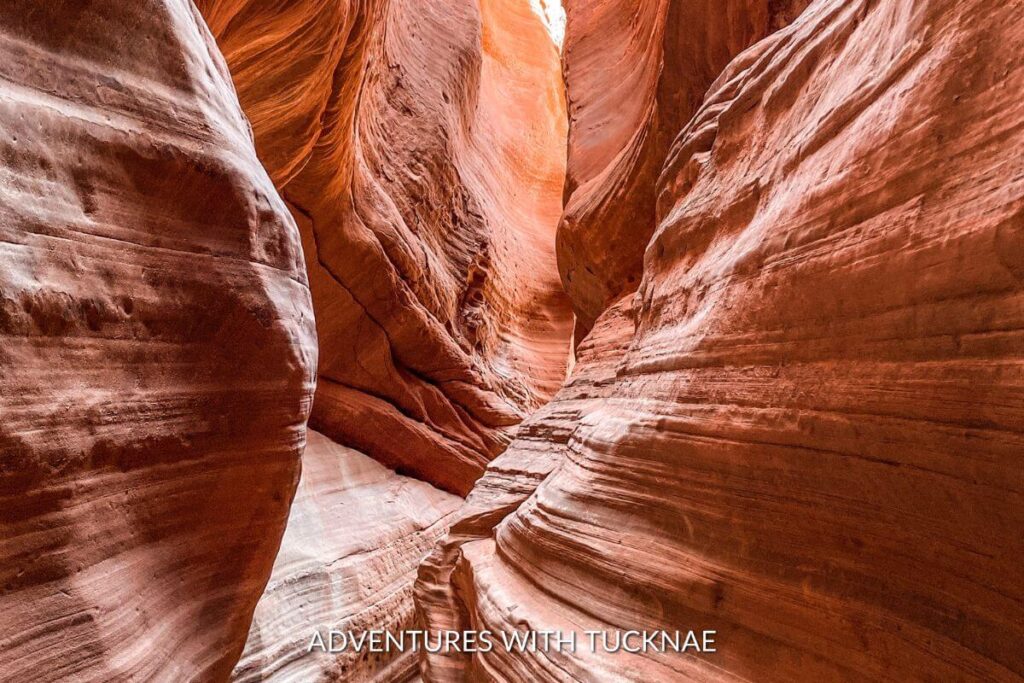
column 156, row 348
column 355, row 536
column 421, row 147
column 635, row 73
column 812, row 442
column 793, row 242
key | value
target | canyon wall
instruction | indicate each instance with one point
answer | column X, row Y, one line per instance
column 421, row 147
column 792, row 243
column 635, row 73
column 443, row 600
column 156, row 348
column 810, row 438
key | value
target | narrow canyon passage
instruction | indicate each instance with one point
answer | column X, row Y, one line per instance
column 423, row 158
column 508, row 316
column 422, row 154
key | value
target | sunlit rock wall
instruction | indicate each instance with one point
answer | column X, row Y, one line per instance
column 356, row 534
column 421, row 147
column 635, row 73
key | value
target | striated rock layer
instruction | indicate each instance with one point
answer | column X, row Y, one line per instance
column 540, row 445
column 421, row 147
column 156, row 348
column 635, row 73
column 356, row 534
column 812, row 441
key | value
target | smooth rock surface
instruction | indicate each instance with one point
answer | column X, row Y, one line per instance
column 635, row 72
column 157, row 348
column 356, row 534
column 794, row 243
column 421, row 147
column 813, row 441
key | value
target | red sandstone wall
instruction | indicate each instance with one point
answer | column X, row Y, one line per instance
column 421, row 148
column 635, row 72
column 156, row 348
column 796, row 410
column 812, row 441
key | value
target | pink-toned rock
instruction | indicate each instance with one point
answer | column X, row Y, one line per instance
column 421, row 147
column 355, row 536
column 156, row 348
column 795, row 413
column 813, row 441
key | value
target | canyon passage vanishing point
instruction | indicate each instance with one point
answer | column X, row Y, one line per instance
column 511, row 316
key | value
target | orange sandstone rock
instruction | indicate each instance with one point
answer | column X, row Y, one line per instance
column 542, row 443
column 421, row 147
column 635, row 73
column 156, row 348
column 796, row 410
column 813, row 441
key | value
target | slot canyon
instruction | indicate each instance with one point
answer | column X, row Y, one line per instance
column 511, row 316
